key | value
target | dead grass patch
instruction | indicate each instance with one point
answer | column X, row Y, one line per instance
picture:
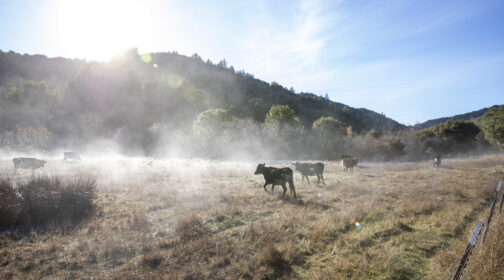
column 219, row 223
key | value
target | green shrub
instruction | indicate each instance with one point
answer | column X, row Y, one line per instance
column 492, row 125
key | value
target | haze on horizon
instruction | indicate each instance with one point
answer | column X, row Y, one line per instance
column 413, row 61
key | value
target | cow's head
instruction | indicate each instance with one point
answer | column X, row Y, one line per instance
column 260, row 168
column 296, row 164
column 41, row 162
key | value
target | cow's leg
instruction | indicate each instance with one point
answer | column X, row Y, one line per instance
column 272, row 188
column 284, row 188
column 322, row 176
column 265, row 184
column 307, row 179
column 292, row 188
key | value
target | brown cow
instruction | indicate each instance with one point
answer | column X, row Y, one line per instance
column 349, row 163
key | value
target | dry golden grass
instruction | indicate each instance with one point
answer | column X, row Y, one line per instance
column 194, row 219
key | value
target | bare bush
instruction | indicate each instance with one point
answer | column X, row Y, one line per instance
column 43, row 199
column 10, row 202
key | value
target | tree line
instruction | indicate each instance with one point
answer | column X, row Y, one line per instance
column 161, row 103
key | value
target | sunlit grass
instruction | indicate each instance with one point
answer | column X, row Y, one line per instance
column 200, row 219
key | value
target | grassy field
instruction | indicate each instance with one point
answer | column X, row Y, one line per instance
column 194, row 219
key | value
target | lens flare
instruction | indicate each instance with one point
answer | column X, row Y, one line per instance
column 174, row 80
column 319, row 195
column 358, row 225
column 146, row 57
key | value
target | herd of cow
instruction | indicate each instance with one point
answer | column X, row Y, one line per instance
column 272, row 175
column 34, row 164
column 281, row 176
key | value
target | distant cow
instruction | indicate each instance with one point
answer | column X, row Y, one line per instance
column 437, row 161
column 277, row 176
column 349, row 163
column 311, row 169
column 71, row 156
column 27, row 163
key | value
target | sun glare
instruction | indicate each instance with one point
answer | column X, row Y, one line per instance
column 100, row 30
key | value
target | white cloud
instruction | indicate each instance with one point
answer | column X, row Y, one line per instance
column 284, row 53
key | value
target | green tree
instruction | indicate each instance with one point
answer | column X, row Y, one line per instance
column 374, row 133
column 492, row 125
column 330, row 134
column 211, row 123
column 330, row 126
column 282, row 115
column 452, row 136
column 393, row 148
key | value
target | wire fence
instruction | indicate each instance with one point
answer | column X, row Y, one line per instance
column 476, row 233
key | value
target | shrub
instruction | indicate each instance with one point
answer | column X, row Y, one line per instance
column 393, row 149
column 43, row 199
column 77, row 199
column 10, row 202
column 452, row 136
column 492, row 124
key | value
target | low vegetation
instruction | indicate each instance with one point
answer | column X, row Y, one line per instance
column 193, row 219
column 44, row 200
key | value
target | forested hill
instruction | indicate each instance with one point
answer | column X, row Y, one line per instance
column 76, row 100
column 460, row 117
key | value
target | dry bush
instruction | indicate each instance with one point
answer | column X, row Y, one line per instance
column 40, row 200
column 43, row 199
column 10, row 202
column 77, row 199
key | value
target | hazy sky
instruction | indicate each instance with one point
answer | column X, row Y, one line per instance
column 412, row 60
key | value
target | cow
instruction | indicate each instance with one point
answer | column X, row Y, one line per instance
column 71, row 156
column 277, row 176
column 27, row 163
column 311, row 169
column 437, row 161
column 349, row 163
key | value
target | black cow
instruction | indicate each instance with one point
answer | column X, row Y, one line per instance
column 311, row 169
column 277, row 176
column 27, row 163
column 71, row 156
column 437, row 161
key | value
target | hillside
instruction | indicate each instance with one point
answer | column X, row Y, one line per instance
column 77, row 101
column 460, row 117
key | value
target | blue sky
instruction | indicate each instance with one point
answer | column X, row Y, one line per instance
column 412, row 60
